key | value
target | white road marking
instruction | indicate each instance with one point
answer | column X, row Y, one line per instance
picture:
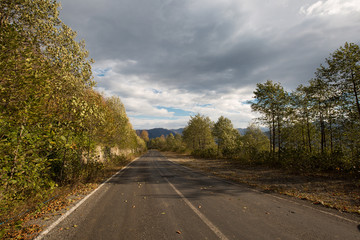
column 54, row 224
column 201, row 216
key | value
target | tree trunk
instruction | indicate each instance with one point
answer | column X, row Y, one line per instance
column 303, row 136
column 270, row 131
column 322, row 133
column 331, row 135
column 16, row 155
column 355, row 92
column 279, row 139
column 274, row 136
column 308, row 131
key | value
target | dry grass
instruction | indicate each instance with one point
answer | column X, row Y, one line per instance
column 330, row 190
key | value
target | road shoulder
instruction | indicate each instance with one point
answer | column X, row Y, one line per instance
column 324, row 190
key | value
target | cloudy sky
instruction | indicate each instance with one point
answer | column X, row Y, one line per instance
column 170, row 59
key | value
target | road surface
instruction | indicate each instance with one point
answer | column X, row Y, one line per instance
column 156, row 199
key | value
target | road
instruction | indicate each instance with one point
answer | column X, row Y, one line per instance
column 156, row 199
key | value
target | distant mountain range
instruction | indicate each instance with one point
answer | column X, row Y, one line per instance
column 157, row 132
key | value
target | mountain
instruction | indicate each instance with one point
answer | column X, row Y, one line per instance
column 242, row 131
column 157, row 132
column 265, row 130
column 179, row 131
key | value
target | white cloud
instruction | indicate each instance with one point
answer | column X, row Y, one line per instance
column 149, row 123
column 332, row 7
column 142, row 100
column 206, row 56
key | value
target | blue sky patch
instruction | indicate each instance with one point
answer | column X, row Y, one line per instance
column 156, row 91
column 177, row 111
column 101, row 72
column 204, row 105
column 249, row 102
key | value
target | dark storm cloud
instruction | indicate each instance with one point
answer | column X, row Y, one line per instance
column 209, row 46
column 171, row 42
column 182, row 46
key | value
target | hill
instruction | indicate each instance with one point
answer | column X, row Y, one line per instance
column 157, row 132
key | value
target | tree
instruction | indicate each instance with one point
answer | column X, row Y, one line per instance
column 225, row 135
column 197, row 134
column 323, row 105
column 344, row 73
column 170, row 142
column 254, row 142
column 303, row 111
column 51, row 119
column 144, row 135
column 272, row 101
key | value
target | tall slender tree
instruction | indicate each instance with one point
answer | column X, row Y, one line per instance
column 272, row 101
column 344, row 73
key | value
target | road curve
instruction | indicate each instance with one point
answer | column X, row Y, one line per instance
column 157, row 199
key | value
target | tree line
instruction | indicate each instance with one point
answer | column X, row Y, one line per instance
column 51, row 118
column 207, row 139
column 315, row 127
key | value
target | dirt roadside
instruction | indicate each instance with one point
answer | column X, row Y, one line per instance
column 330, row 190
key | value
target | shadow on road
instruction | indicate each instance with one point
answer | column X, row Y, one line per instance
column 153, row 168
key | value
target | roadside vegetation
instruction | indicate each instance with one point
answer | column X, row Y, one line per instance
column 312, row 129
column 55, row 129
column 311, row 150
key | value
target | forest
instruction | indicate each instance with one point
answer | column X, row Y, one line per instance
column 55, row 129
column 314, row 128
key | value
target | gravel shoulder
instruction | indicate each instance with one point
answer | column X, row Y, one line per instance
column 330, row 190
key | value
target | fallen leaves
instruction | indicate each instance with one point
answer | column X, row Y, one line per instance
column 33, row 221
column 28, row 232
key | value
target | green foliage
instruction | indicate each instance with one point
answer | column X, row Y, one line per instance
column 51, row 119
column 254, row 144
column 320, row 127
column 205, row 153
column 225, row 136
column 159, row 143
column 145, row 136
column 197, row 135
column 272, row 101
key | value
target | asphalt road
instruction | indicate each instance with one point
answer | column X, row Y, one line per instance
column 157, row 199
